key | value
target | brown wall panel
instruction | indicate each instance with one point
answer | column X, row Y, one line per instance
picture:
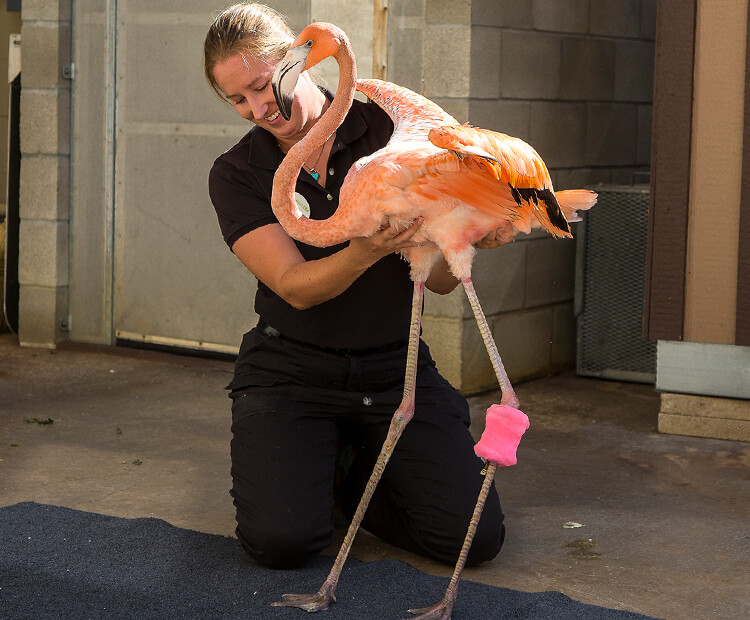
column 670, row 170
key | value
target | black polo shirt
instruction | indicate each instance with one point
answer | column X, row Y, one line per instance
column 375, row 310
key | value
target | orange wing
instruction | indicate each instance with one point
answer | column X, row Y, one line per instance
column 512, row 162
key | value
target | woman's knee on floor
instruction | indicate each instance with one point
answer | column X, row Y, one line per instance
column 283, row 547
column 486, row 544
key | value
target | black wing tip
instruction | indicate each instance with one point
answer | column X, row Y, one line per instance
column 548, row 199
column 554, row 212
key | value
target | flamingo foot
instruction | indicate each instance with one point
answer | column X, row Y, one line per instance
column 320, row 601
column 440, row 611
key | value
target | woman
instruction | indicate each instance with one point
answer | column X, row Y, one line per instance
column 318, row 379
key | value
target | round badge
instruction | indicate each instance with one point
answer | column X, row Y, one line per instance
column 302, row 204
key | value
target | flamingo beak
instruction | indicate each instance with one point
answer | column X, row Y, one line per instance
column 286, row 76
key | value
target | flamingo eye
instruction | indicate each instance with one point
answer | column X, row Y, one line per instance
column 309, row 43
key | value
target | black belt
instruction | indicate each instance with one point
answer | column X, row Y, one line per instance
column 275, row 333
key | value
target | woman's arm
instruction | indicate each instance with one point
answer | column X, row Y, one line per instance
column 272, row 256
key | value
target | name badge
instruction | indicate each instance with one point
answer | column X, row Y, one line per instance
column 302, row 205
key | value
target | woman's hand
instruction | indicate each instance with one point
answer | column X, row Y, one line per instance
column 500, row 236
column 386, row 241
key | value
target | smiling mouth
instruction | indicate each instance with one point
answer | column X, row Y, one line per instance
column 273, row 116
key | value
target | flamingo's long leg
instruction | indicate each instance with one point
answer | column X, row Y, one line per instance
column 508, row 395
column 444, row 609
column 325, row 596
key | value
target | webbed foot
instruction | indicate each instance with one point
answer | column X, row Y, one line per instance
column 441, row 611
column 319, row 601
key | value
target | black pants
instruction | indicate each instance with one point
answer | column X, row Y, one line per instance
column 295, row 407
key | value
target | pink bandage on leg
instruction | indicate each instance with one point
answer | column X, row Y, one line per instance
column 501, row 436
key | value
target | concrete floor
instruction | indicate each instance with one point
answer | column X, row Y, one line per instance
column 142, row 433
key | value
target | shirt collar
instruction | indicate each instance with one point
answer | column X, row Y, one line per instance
column 265, row 151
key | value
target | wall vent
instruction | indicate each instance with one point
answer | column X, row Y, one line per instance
column 610, row 269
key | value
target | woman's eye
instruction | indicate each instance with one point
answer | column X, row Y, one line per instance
column 260, row 89
column 239, row 101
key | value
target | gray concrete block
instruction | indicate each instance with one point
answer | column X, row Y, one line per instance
column 477, row 374
column 509, row 117
column 298, row 13
column 503, row 13
column 485, row 63
column 558, row 133
column 446, row 66
column 530, row 65
column 43, row 253
column 643, row 147
column 697, row 426
column 405, row 57
column 587, row 69
column 448, row 11
column 46, row 48
column 444, row 306
column 523, row 339
column 46, row 10
column 561, row 15
column 550, row 271
column 443, row 336
column 563, row 345
column 41, row 311
column 457, row 107
column 611, row 134
column 45, row 122
column 627, row 175
column 45, row 187
column 615, row 18
column 705, row 406
column 406, row 8
column 634, row 71
column 574, row 178
column 648, row 19
column 499, row 278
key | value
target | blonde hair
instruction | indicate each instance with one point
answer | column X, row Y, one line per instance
column 246, row 28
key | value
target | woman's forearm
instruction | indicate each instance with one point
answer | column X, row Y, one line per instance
column 310, row 283
column 271, row 255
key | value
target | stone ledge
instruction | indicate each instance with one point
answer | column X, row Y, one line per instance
column 704, row 416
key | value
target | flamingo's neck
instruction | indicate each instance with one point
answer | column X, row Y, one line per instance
column 321, row 233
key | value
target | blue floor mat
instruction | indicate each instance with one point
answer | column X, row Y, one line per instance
column 61, row 563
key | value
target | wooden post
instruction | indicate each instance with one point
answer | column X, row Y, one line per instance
column 380, row 40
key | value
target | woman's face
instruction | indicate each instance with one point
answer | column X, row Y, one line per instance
column 247, row 85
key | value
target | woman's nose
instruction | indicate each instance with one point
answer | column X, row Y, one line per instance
column 260, row 107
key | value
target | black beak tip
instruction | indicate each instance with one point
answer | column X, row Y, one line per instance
column 286, row 108
column 283, row 102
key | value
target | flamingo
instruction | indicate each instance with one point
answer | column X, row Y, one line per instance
column 464, row 182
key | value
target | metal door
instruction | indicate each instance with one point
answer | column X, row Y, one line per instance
column 175, row 282
column 148, row 263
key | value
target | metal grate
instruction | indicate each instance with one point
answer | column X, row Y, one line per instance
column 610, row 265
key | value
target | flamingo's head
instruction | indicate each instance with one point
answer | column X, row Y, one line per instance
column 314, row 43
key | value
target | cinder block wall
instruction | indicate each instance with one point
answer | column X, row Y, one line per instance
column 574, row 79
column 45, row 172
